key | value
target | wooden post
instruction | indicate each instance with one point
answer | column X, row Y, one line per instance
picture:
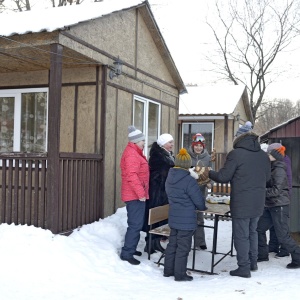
column 53, row 172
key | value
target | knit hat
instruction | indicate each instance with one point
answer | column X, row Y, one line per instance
column 198, row 138
column 164, row 138
column 244, row 129
column 264, row 147
column 278, row 147
column 135, row 135
column 183, row 159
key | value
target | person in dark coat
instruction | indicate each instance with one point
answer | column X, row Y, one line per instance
column 184, row 198
column 274, row 245
column 247, row 168
column 160, row 161
column 199, row 155
column 276, row 211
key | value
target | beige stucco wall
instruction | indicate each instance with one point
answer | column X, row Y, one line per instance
column 124, row 35
column 24, row 78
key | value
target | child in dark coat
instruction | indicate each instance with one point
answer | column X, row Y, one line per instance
column 184, row 198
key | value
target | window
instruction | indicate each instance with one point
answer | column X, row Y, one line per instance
column 146, row 117
column 23, row 120
column 190, row 129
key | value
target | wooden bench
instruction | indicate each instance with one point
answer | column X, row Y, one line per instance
column 158, row 214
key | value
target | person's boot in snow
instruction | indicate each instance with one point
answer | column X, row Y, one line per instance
column 240, row 273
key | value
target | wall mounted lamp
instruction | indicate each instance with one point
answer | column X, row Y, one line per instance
column 237, row 117
column 116, row 70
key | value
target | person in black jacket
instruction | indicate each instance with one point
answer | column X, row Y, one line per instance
column 184, row 198
column 276, row 211
column 247, row 168
column 160, row 161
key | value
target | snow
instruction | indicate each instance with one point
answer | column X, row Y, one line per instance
column 36, row 264
column 50, row 19
column 210, row 99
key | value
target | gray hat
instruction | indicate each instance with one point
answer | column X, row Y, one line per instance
column 244, row 129
column 135, row 135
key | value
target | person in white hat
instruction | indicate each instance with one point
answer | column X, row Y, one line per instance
column 160, row 161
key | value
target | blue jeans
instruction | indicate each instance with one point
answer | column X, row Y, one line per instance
column 135, row 220
column 245, row 241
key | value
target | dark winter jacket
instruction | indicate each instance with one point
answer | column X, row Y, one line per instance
column 248, row 169
column 160, row 162
column 288, row 165
column 277, row 188
column 184, row 198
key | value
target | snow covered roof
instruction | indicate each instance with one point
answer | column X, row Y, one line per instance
column 210, row 100
column 52, row 19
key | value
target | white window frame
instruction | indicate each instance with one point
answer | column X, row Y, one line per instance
column 17, row 94
column 146, row 114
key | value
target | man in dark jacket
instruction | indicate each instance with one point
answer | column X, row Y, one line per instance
column 247, row 168
column 184, row 198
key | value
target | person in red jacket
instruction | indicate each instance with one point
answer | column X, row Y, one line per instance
column 134, row 191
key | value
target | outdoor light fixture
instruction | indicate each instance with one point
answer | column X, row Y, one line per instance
column 116, row 69
column 237, row 117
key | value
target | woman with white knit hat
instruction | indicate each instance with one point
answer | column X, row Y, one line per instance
column 160, row 161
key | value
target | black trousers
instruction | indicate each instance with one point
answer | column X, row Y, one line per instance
column 177, row 252
column 278, row 217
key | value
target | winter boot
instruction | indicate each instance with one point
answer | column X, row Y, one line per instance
column 240, row 273
column 184, row 278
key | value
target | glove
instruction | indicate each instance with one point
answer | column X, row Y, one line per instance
column 193, row 173
column 203, row 175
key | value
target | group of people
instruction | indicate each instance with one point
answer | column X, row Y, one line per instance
column 259, row 199
column 148, row 184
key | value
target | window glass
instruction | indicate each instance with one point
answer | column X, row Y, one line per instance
column 147, row 119
column 139, row 115
column 23, row 120
column 7, row 110
column 153, row 122
column 33, row 122
column 190, row 129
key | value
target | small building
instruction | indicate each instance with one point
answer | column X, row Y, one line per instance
column 216, row 112
column 66, row 105
column 288, row 134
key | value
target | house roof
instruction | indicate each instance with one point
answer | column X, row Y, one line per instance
column 52, row 19
column 211, row 100
column 15, row 25
column 284, row 125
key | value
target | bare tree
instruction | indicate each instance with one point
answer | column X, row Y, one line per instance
column 275, row 112
column 249, row 40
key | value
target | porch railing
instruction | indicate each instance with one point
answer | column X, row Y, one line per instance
column 23, row 190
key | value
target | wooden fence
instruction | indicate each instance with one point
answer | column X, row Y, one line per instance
column 23, row 190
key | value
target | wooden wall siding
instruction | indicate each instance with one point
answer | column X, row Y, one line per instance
column 23, row 190
column 291, row 129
